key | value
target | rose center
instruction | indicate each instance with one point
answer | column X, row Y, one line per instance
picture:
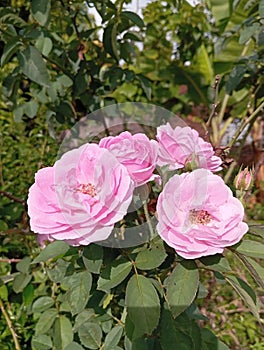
column 87, row 189
column 199, row 217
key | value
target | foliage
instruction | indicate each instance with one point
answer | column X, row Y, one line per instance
column 58, row 65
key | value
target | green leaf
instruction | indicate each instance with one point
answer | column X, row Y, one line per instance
column 216, row 263
column 53, row 250
column 203, row 64
column 24, row 265
column 114, row 274
column 28, row 295
column 82, row 318
column 143, row 305
column 30, row 108
column 41, row 11
column 93, row 257
column 170, row 334
column 145, row 84
column 58, row 272
column 42, row 304
column 257, row 230
column 74, row 346
column 211, row 342
column 9, row 50
column 256, row 271
column 261, row 8
column 41, row 342
column 251, row 248
column 3, row 292
column 79, row 286
column 33, row 66
column 182, row 286
column 90, row 335
column 44, row 45
column 136, row 344
column 45, row 322
column 63, row 333
column 246, row 293
column 113, row 337
column 133, row 17
column 235, row 78
column 21, row 281
column 151, row 257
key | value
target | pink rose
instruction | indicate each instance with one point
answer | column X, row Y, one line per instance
column 81, row 197
column 183, row 145
column 136, row 152
column 198, row 215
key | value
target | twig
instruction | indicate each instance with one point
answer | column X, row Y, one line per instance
column 10, row 325
column 215, row 104
column 11, row 196
column 9, row 260
column 151, row 230
column 244, row 124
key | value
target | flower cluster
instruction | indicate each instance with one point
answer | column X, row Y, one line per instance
column 88, row 190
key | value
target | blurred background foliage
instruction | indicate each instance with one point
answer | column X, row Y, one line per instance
column 59, row 63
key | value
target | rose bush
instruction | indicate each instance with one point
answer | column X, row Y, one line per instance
column 198, row 215
column 81, row 197
column 136, row 152
column 183, row 145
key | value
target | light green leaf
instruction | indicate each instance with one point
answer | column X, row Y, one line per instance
column 256, row 271
column 21, row 281
column 113, row 337
column 251, row 248
column 74, row 346
column 261, row 8
column 41, row 11
column 24, row 265
column 42, row 304
column 31, row 108
column 44, row 45
column 90, row 335
column 114, row 274
column 41, row 342
column 82, row 318
column 45, row 322
column 182, row 286
column 203, row 64
column 33, row 66
column 63, row 333
column 79, row 286
column 143, row 305
column 53, row 250
column 151, row 257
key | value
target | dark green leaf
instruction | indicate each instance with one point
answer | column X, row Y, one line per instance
column 211, row 342
column 53, row 250
column 216, row 263
column 33, row 66
column 246, row 293
column 256, row 271
column 257, row 230
column 182, row 286
column 24, row 265
column 114, row 274
column 57, row 273
column 235, row 78
column 133, row 17
column 41, row 11
column 90, row 335
column 9, row 50
column 143, row 305
column 93, row 257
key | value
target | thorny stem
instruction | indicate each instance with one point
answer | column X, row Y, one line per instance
column 10, row 325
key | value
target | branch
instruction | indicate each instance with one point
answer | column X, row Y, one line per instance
column 12, row 197
column 10, row 325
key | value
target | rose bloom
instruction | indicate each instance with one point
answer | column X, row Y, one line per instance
column 81, row 197
column 183, row 145
column 198, row 215
column 136, row 152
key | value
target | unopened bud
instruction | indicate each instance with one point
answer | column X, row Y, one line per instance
column 244, row 180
